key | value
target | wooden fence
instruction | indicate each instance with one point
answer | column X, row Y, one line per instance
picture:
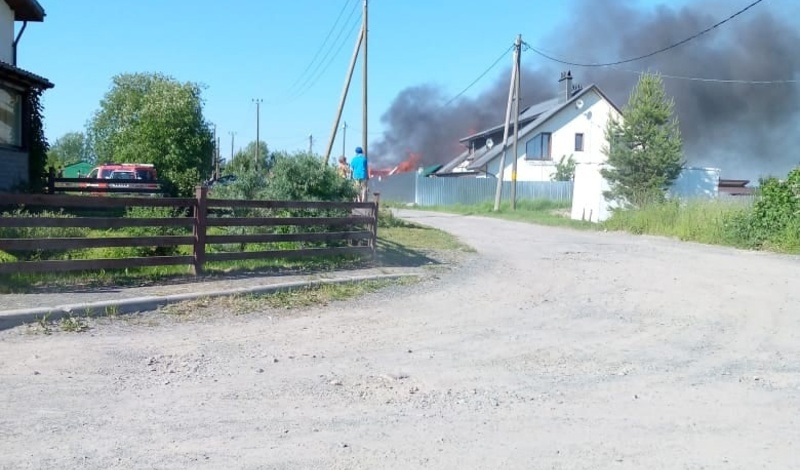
column 354, row 225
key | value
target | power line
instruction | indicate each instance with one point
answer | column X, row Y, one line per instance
column 645, row 56
column 716, row 80
column 494, row 64
column 313, row 76
column 322, row 46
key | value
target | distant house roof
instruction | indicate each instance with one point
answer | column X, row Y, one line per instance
column 17, row 76
column 527, row 115
column 542, row 118
column 429, row 170
column 452, row 164
column 76, row 170
column 735, row 187
column 26, row 10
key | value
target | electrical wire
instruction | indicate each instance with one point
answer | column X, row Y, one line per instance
column 321, row 47
column 314, row 78
column 650, row 54
column 494, row 64
column 716, row 80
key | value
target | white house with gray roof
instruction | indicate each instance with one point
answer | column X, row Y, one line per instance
column 16, row 85
column 572, row 124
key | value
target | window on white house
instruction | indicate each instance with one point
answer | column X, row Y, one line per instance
column 579, row 142
column 10, row 117
column 538, row 148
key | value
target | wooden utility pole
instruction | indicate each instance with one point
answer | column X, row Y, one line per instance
column 257, row 150
column 516, row 123
column 311, row 144
column 364, row 108
column 233, row 136
column 344, row 139
column 217, row 158
column 501, row 170
column 343, row 98
column 214, row 154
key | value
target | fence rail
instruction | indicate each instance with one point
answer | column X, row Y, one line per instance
column 411, row 188
column 352, row 225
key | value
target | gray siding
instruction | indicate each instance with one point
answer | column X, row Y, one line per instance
column 13, row 169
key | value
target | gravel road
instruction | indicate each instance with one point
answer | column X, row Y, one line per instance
column 548, row 349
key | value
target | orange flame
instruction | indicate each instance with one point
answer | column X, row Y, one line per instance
column 409, row 164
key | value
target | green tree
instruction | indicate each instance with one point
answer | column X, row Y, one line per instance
column 242, row 162
column 565, row 169
column 153, row 118
column 70, row 148
column 644, row 149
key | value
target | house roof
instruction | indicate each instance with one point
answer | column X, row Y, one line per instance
column 528, row 114
column 26, row 10
column 429, row 170
column 452, row 164
column 17, row 76
column 543, row 117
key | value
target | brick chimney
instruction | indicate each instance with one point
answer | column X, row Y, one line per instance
column 565, row 87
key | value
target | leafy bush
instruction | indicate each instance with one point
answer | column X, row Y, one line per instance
column 387, row 219
column 153, row 212
column 298, row 177
column 777, row 209
column 40, row 232
column 565, row 169
column 306, row 177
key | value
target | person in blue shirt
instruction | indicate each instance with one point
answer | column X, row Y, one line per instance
column 360, row 173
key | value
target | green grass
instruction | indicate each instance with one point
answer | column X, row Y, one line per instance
column 540, row 211
column 709, row 222
column 422, row 238
column 315, row 295
column 716, row 222
column 410, row 236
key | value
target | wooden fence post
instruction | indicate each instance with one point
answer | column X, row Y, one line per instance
column 51, row 181
column 375, row 214
column 199, row 230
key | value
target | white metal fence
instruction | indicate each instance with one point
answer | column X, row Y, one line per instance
column 412, row 188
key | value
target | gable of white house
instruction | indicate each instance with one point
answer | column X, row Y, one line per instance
column 571, row 131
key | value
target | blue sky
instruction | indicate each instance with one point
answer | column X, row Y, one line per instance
column 245, row 49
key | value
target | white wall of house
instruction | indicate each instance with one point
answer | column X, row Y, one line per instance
column 590, row 121
column 588, row 201
column 6, row 33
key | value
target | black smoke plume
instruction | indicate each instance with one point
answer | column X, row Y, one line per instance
column 747, row 130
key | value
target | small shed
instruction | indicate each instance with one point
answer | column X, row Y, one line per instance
column 77, row 170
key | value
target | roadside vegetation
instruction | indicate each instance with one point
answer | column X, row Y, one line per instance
column 539, row 211
column 771, row 222
column 645, row 154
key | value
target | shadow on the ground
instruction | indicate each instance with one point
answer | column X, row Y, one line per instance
column 391, row 254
